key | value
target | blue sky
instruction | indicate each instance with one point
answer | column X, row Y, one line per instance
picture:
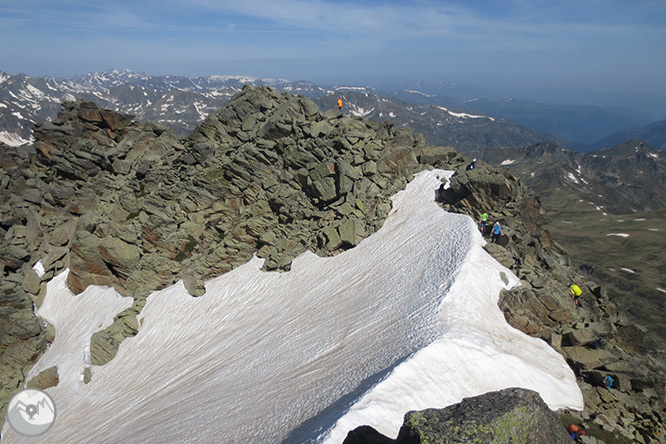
column 607, row 45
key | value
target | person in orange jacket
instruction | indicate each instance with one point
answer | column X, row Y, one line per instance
column 339, row 104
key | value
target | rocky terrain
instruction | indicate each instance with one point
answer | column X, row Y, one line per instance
column 596, row 338
column 137, row 207
column 607, row 209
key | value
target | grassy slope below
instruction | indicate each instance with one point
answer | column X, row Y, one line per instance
column 628, row 253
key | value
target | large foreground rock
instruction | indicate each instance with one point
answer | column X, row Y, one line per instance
column 509, row 416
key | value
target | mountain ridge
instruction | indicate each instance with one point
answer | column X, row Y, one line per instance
column 653, row 134
column 133, row 206
column 200, row 96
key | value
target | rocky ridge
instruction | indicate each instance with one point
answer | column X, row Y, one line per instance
column 596, row 338
column 135, row 206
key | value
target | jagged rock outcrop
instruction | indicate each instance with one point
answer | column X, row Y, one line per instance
column 510, row 415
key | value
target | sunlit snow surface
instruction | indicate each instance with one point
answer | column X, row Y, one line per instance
column 279, row 357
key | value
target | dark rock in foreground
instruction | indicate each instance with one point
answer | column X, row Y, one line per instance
column 509, row 416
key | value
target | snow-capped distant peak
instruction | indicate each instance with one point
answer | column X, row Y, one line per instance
column 465, row 115
column 352, row 88
column 240, row 78
column 418, row 92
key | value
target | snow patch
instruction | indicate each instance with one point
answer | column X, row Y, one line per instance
column 618, row 234
column 508, row 162
column 39, row 269
column 355, row 110
column 477, row 353
column 661, row 289
column 464, row 115
column 13, row 139
column 572, row 177
column 351, row 88
column 628, row 270
column 419, row 92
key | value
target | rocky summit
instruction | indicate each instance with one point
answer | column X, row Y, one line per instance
column 136, row 207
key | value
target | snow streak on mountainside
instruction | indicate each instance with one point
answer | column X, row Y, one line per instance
column 266, row 357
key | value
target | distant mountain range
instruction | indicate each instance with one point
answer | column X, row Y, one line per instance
column 182, row 103
column 576, row 126
column 627, row 178
column 654, row 134
column 579, row 126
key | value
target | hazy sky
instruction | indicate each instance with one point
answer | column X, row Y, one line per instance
column 608, row 45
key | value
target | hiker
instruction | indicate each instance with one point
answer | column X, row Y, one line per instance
column 496, row 233
column 484, row 219
column 472, row 165
column 608, row 381
column 575, row 293
column 575, row 432
column 340, row 104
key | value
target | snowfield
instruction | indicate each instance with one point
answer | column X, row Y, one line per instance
column 407, row 319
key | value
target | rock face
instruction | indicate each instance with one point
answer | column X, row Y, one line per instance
column 511, row 415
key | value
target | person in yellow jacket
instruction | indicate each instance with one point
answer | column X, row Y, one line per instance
column 340, row 104
column 575, row 293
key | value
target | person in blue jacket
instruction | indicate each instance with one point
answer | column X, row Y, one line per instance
column 496, row 233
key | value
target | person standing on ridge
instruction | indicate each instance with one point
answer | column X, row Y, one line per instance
column 340, row 104
column 497, row 232
column 484, row 220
